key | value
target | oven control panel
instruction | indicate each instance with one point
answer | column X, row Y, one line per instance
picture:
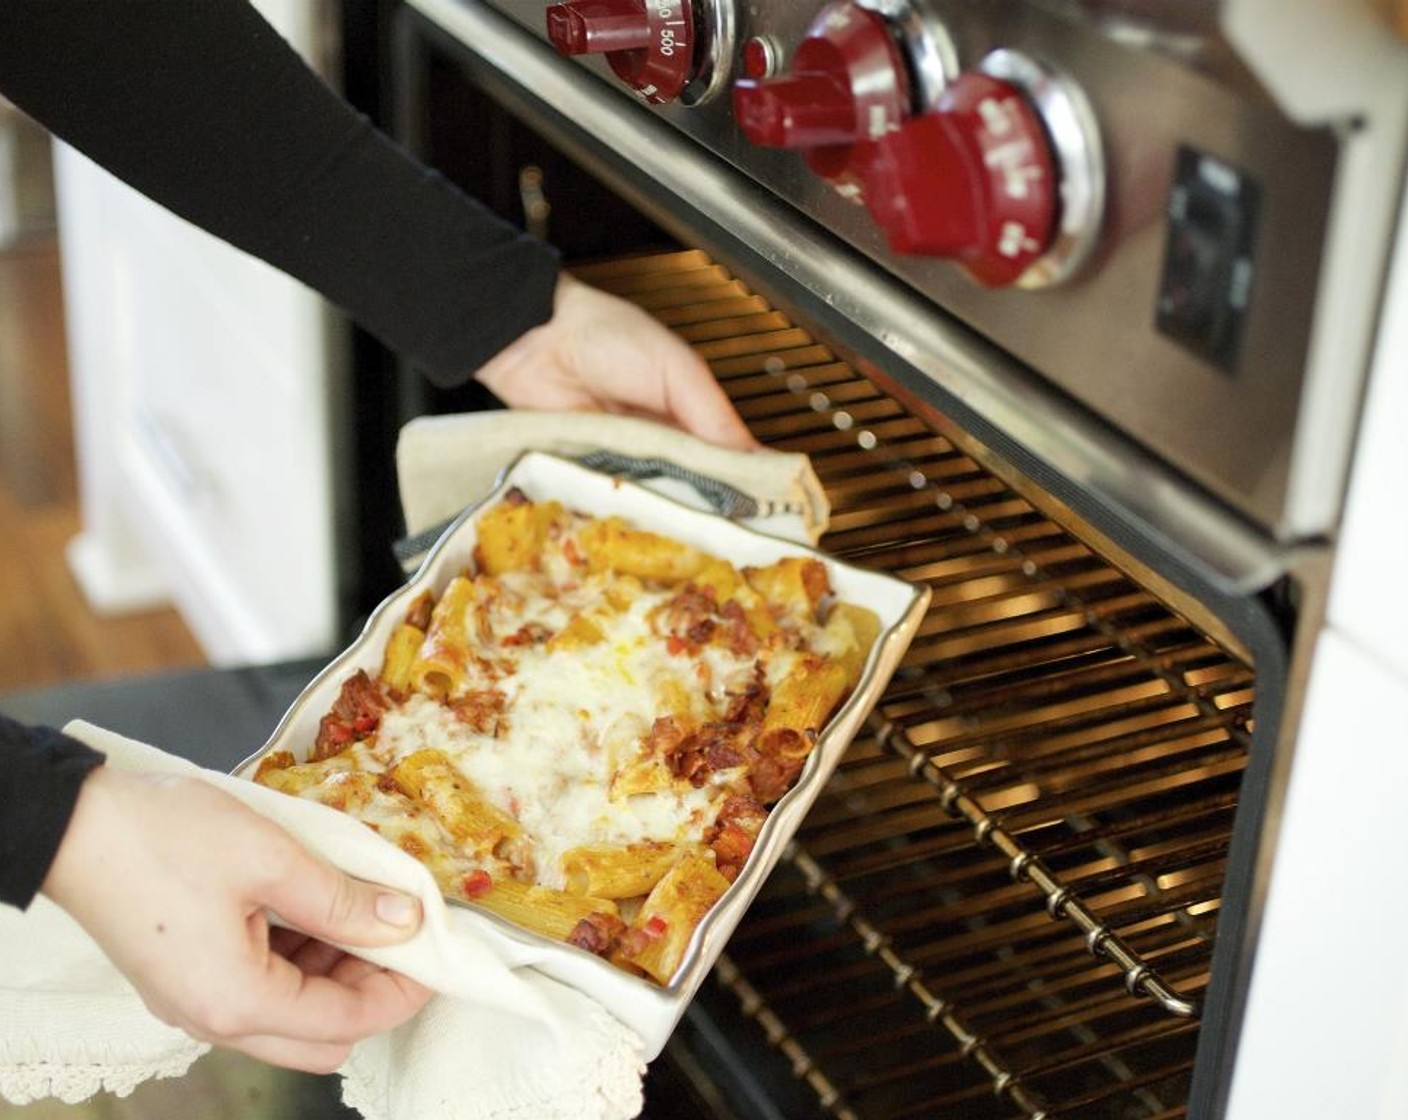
column 998, row 168
column 1021, row 165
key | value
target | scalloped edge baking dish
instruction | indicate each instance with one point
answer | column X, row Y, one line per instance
column 651, row 1010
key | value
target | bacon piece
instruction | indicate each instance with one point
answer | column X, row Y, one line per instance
column 717, row 745
column 481, row 709
column 722, row 752
column 735, row 834
column 732, row 846
column 734, row 632
column 747, row 706
column 744, row 813
column 529, row 634
column 355, row 714
column 666, row 736
column 596, row 933
column 773, row 776
column 687, row 621
column 636, row 939
column 710, row 748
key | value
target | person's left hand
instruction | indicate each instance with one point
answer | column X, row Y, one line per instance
column 176, row 880
column 602, row 353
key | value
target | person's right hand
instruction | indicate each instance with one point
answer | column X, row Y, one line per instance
column 173, row 878
column 602, row 353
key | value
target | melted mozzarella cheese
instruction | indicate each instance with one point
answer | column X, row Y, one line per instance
column 572, row 717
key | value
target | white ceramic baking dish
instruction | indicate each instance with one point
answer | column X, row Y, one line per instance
column 651, row 1010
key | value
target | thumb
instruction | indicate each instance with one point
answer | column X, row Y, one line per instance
column 331, row 905
column 700, row 405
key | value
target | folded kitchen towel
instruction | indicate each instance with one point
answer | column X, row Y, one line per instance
column 444, row 463
column 499, row 1041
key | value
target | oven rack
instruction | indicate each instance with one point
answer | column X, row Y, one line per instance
column 1051, row 715
column 995, row 1012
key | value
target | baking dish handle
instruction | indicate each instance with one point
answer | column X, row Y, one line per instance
column 719, row 496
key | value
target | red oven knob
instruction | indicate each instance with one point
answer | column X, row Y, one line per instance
column 974, row 180
column 648, row 43
column 848, row 82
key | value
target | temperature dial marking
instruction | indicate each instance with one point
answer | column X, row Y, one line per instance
column 847, row 85
column 649, row 44
column 974, row 180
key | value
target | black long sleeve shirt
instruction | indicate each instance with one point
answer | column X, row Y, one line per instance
column 205, row 109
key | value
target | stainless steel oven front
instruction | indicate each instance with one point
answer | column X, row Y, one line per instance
column 1074, row 306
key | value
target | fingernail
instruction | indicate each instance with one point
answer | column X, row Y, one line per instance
column 396, row 909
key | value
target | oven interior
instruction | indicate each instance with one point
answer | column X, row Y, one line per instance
column 1018, row 897
column 1005, row 903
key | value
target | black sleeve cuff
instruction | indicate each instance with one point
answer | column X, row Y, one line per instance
column 204, row 108
column 41, row 774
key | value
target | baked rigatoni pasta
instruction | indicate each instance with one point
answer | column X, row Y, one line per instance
column 583, row 730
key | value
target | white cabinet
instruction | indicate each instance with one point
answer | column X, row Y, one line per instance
column 1329, row 989
column 205, row 386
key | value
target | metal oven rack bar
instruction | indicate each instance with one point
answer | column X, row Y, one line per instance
column 1025, row 852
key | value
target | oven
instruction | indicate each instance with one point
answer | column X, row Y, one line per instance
column 1083, row 311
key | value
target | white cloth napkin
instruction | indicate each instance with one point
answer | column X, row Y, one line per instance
column 70, row 1024
column 498, row 1041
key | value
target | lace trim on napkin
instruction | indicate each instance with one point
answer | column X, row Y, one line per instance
column 45, row 1070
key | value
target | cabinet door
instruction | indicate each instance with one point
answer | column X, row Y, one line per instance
column 205, row 389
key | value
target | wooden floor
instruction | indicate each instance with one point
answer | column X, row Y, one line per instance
column 48, row 634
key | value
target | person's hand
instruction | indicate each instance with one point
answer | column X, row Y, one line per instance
column 173, row 878
column 599, row 352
